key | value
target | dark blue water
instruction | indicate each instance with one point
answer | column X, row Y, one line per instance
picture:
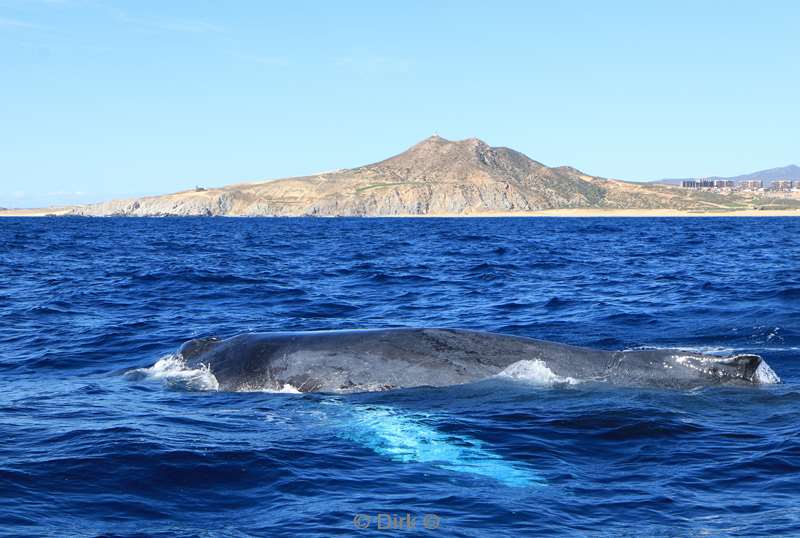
column 86, row 449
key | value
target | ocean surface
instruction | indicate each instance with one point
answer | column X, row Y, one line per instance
column 102, row 433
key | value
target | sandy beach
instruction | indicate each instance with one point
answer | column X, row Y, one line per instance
column 37, row 212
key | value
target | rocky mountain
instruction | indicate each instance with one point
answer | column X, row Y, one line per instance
column 785, row 172
column 434, row 177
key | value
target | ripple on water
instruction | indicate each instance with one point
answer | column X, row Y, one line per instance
column 88, row 450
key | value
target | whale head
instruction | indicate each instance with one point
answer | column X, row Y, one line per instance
column 681, row 368
column 193, row 350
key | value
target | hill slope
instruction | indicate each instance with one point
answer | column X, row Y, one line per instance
column 785, row 172
column 434, row 177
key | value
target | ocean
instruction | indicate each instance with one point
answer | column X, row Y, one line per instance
column 103, row 434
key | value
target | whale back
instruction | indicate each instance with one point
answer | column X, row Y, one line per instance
column 360, row 360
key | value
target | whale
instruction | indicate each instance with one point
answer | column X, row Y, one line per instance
column 350, row 361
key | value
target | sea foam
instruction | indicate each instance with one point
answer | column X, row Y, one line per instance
column 535, row 372
column 173, row 372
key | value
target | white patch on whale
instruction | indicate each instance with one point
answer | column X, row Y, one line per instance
column 766, row 375
column 287, row 388
column 535, row 372
column 695, row 363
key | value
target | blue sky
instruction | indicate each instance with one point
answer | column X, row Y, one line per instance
column 107, row 99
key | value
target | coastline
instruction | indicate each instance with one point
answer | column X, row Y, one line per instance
column 36, row 212
column 641, row 213
column 575, row 213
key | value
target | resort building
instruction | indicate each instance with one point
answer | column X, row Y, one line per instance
column 782, row 185
column 752, row 185
column 708, row 183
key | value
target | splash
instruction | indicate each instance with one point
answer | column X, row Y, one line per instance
column 173, row 372
column 407, row 438
column 536, row 372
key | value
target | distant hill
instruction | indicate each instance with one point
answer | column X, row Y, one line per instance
column 434, row 177
column 785, row 172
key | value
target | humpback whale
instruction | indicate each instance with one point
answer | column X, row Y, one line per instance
column 383, row 359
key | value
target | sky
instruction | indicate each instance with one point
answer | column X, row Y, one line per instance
column 105, row 99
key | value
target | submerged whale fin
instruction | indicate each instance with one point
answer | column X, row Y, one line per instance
column 407, row 438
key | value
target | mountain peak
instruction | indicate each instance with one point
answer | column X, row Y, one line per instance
column 470, row 161
column 435, row 139
column 438, row 152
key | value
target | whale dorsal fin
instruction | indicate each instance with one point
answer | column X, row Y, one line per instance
column 747, row 363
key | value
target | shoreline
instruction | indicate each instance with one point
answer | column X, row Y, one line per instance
column 631, row 213
column 38, row 212
column 573, row 213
